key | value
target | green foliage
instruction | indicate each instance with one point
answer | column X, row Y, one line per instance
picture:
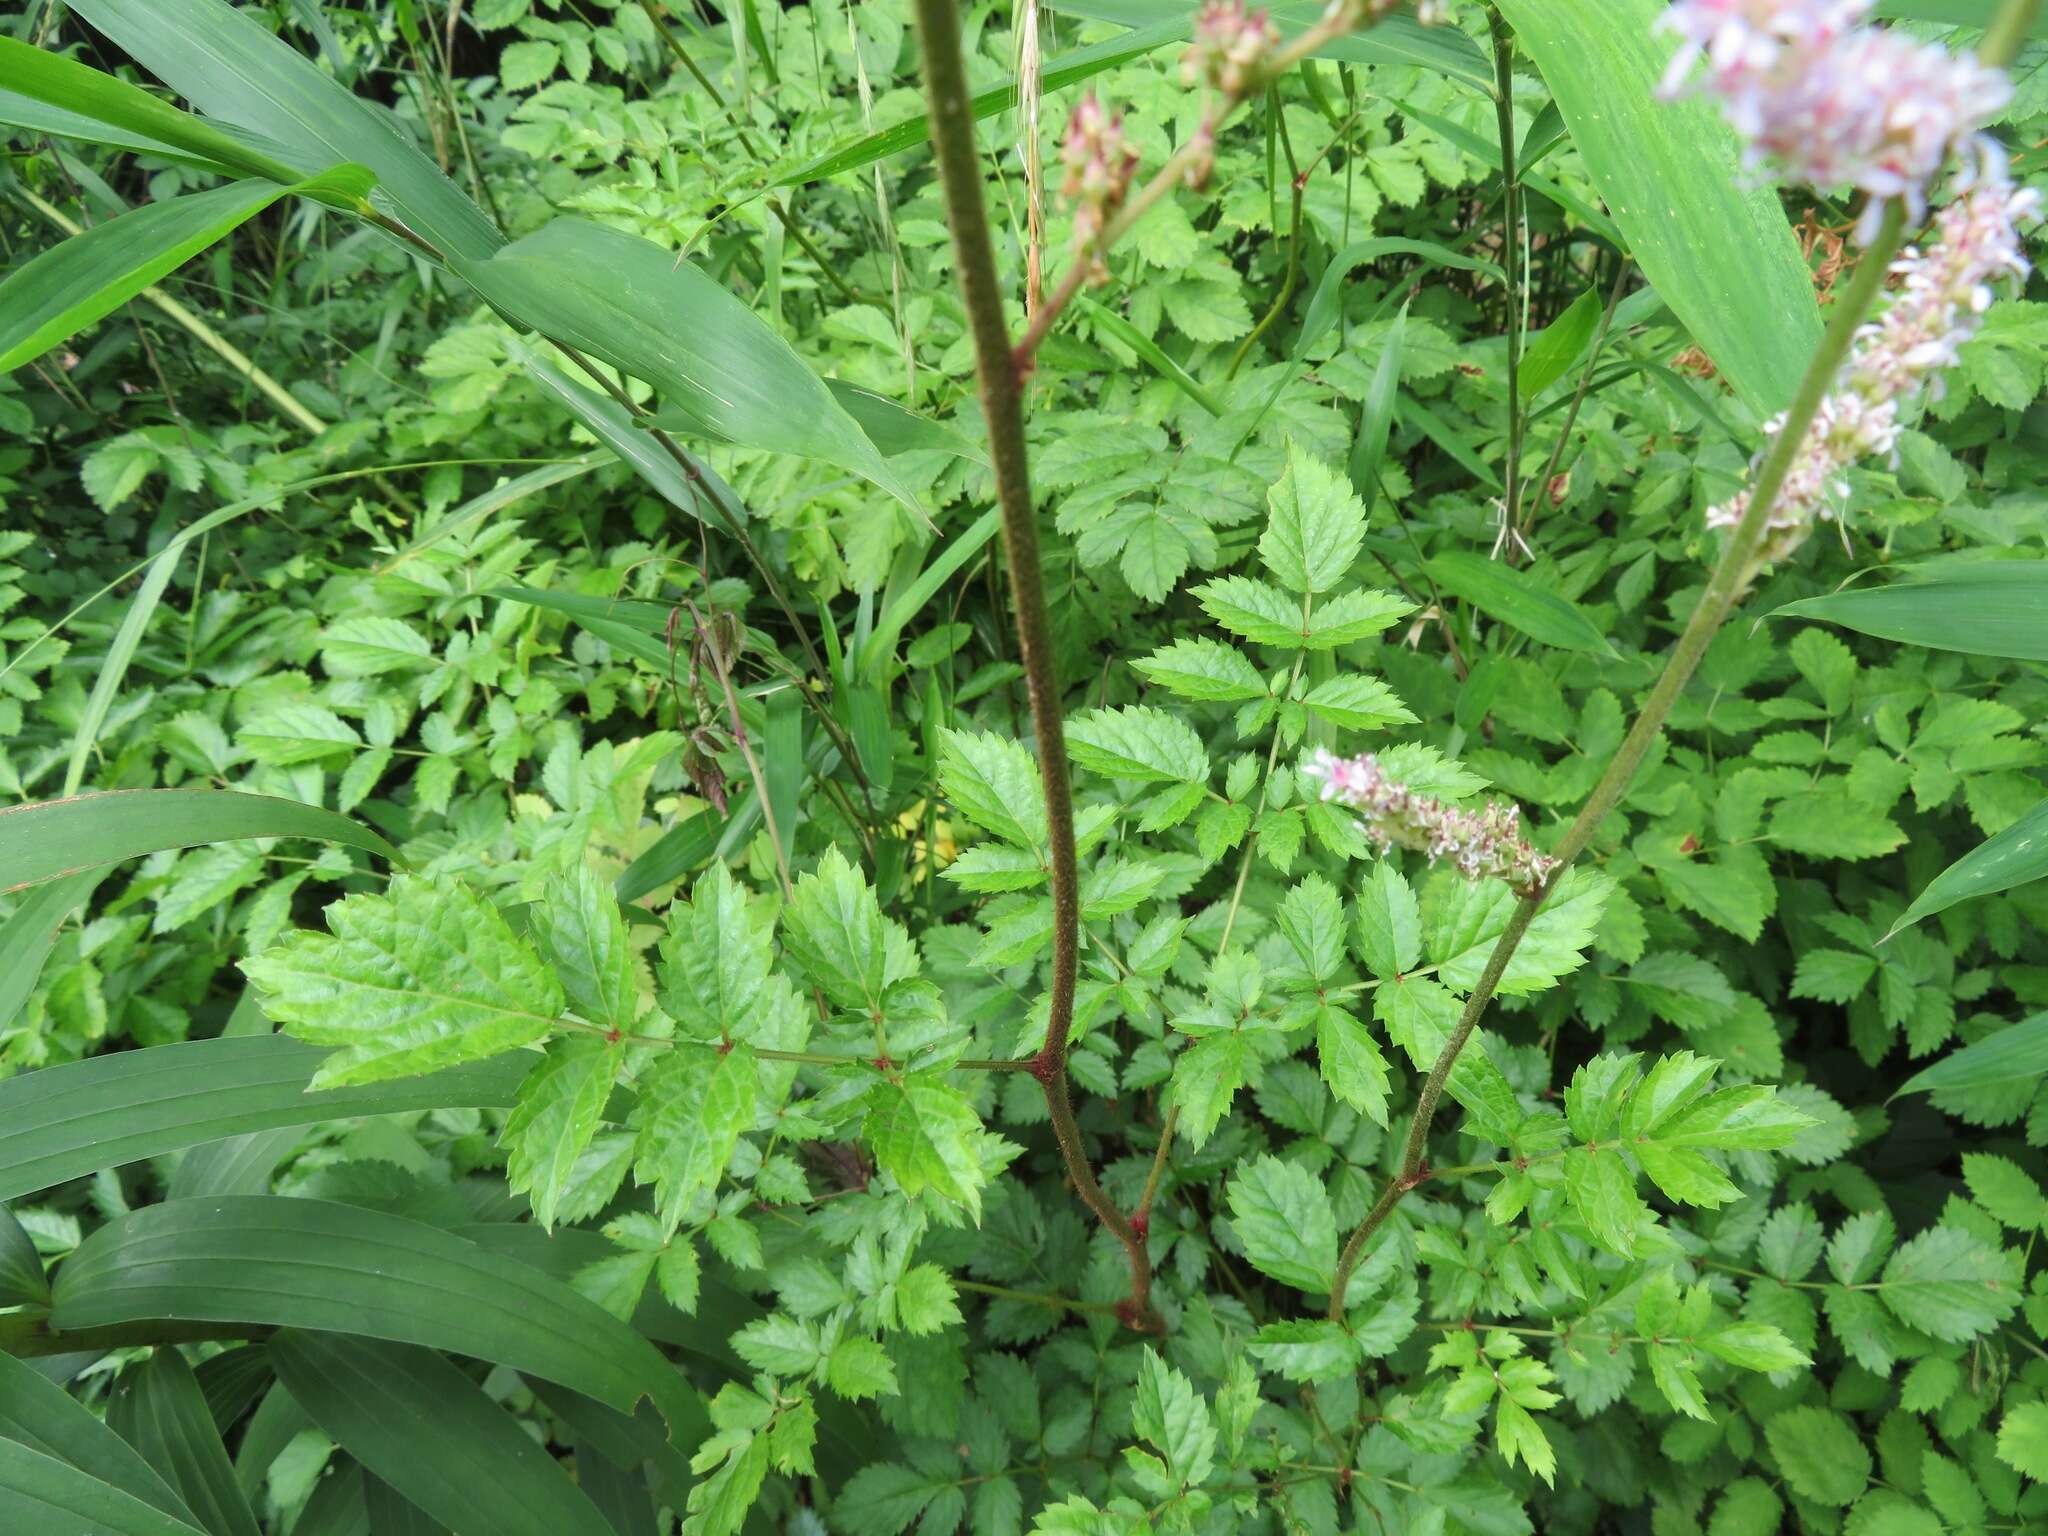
column 617, row 790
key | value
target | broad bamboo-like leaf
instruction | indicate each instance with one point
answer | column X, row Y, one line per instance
column 1951, row 13
column 636, row 306
column 29, row 934
column 2015, row 856
column 39, row 1493
column 38, row 1414
column 1994, row 609
column 67, row 1121
column 1714, row 244
column 263, row 1259
column 109, row 110
column 51, row 838
column 63, row 290
column 608, row 422
column 428, row 1431
column 231, row 67
column 2008, row 1056
column 157, row 1407
column 22, row 1281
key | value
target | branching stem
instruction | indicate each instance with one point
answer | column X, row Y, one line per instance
column 1730, row 579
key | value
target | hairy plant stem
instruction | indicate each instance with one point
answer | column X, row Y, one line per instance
column 1730, row 579
column 1511, row 264
column 1002, row 405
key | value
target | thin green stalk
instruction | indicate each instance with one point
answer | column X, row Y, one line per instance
column 1002, row 404
column 199, row 330
column 1244, row 869
column 775, row 204
column 1571, row 415
column 1298, row 180
column 1730, row 579
column 1512, row 264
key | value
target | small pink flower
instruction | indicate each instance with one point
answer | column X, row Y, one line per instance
column 1939, row 303
column 1828, row 100
column 1484, row 844
column 1100, row 166
column 1231, row 43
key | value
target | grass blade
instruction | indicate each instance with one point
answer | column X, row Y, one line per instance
column 1717, row 247
column 63, row 290
column 50, row 838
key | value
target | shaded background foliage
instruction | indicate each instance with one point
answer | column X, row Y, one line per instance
column 453, row 611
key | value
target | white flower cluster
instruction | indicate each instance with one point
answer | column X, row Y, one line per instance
column 1941, row 295
column 1484, row 844
column 1830, row 101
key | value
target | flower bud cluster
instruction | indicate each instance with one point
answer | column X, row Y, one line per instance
column 1484, row 844
column 1830, row 101
column 1100, row 165
column 1940, row 298
column 1230, row 46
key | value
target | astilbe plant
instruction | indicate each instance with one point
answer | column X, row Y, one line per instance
column 782, row 1080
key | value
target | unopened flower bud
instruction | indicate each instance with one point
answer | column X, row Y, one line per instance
column 1099, row 170
column 1230, row 45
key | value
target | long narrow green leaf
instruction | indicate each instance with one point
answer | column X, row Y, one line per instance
column 1376, row 415
column 1487, row 152
column 231, row 67
column 1392, row 40
column 423, row 1427
column 137, row 119
column 607, row 421
column 29, row 934
column 1150, row 353
column 67, row 1121
column 496, row 499
column 2008, row 1056
column 895, row 429
column 1323, row 304
column 22, row 1281
column 63, row 837
column 1517, row 599
column 263, row 1259
column 40, row 1494
column 1995, row 609
column 634, row 305
column 2016, row 856
column 1716, row 246
column 1559, row 344
column 963, row 546
column 1068, row 69
column 39, row 1414
column 68, row 287
column 1952, row 13
column 157, row 1407
column 113, row 671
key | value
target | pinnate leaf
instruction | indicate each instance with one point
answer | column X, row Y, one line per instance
column 425, row 976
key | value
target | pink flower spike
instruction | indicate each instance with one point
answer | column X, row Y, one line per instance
column 1484, row 844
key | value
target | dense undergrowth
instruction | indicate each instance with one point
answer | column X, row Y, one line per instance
column 678, row 703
